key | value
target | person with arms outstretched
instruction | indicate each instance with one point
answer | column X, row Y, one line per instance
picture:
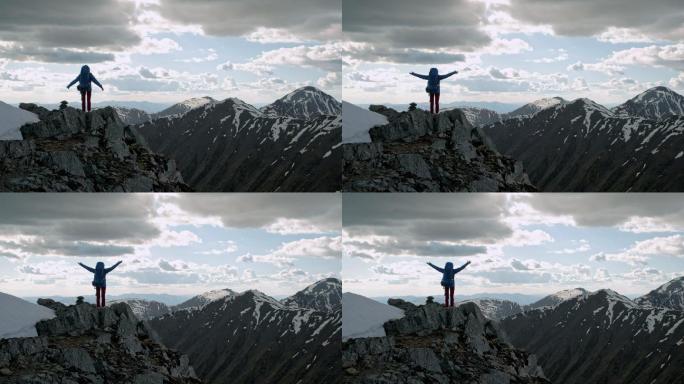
column 433, row 79
column 84, row 79
column 448, row 273
column 100, row 280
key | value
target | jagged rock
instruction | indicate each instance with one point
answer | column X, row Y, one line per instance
column 85, row 344
column 433, row 344
column 70, row 150
column 402, row 304
column 419, row 152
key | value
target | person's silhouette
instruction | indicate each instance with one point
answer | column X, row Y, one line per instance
column 432, row 88
column 84, row 79
column 100, row 280
column 447, row 282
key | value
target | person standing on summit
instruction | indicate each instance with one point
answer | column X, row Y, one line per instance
column 100, row 280
column 84, row 79
column 433, row 86
column 447, row 282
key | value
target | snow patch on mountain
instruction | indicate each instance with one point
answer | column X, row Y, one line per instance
column 18, row 317
column 364, row 317
column 11, row 119
column 356, row 122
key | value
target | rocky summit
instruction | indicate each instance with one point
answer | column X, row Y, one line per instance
column 85, row 344
column 419, row 152
column 70, row 150
column 433, row 344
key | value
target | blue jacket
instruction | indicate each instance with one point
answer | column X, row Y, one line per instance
column 448, row 273
column 433, row 79
column 100, row 278
column 84, row 80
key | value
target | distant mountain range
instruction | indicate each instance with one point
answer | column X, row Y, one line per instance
column 583, row 146
column 254, row 338
column 290, row 145
column 604, row 337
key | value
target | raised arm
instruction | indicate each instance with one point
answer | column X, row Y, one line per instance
column 457, row 270
column 441, row 270
column 107, row 270
column 424, row 77
column 72, row 83
column 92, row 77
column 442, row 77
column 87, row 267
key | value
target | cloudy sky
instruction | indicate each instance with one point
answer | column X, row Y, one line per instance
column 176, row 244
column 512, row 51
column 517, row 243
column 168, row 50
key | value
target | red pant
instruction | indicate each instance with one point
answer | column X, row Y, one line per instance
column 84, row 95
column 448, row 294
column 434, row 103
column 100, row 294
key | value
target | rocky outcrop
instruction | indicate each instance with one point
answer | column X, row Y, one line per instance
column 85, row 344
column 419, row 152
column 433, row 344
column 70, row 150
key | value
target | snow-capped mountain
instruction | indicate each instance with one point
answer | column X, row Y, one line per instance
column 480, row 116
column 495, row 309
column 324, row 295
column 132, row 116
column 304, row 103
column 584, row 146
column 144, row 309
column 669, row 295
column 18, row 317
column 233, row 146
column 11, row 119
column 364, row 317
column 201, row 300
column 534, row 107
column 251, row 337
column 655, row 104
column 356, row 122
column 602, row 337
column 185, row 106
column 557, row 298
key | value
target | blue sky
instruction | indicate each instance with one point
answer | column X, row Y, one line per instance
column 174, row 244
column 517, row 243
column 168, row 50
column 512, row 51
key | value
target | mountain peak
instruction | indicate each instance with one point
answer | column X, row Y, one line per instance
column 669, row 295
column 324, row 295
column 536, row 106
column 304, row 103
column 654, row 103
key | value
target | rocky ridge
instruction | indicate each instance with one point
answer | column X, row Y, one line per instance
column 72, row 151
column 85, row 344
column 419, row 152
column 433, row 344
